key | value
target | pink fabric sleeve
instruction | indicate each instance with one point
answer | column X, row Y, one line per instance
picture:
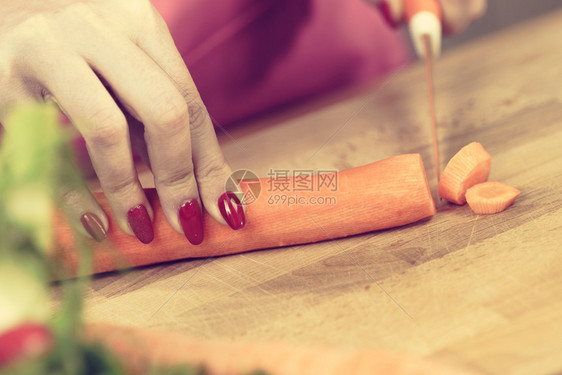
column 249, row 56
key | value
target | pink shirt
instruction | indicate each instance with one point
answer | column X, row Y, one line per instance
column 248, row 56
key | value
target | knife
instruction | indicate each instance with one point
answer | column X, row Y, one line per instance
column 423, row 18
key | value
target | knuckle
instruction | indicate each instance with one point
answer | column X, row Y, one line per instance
column 80, row 9
column 31, row 34
column 119, row 184
column 75, row 200
column 138, row 14
column 197, row 110
column 191, row 97
column 137, row 8
column 197, row 116
column 41, row 26
column 106, row 128
column 46, row 26
column 173, row 117
column 176, row 179
column 216, row 168
column 69, row 197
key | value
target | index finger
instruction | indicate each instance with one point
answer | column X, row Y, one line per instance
column 210, row 167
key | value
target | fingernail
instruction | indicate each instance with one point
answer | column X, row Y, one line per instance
column 191, row 221
column 140, row 223
column 231, row 210
column 93, row 226
column 386, row 12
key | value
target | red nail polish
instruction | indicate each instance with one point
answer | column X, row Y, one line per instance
column 231, row 210
column 27, row 341
column 140, row 223
column 386, row 12
column 93, row 226
column 191, row 221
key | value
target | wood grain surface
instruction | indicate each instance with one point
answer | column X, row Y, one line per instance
column 482, row 292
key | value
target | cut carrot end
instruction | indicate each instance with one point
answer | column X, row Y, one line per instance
column 491, row 197
column 468, row 167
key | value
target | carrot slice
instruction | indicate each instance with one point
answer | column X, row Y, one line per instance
column 139, row 349
column 491, row 197
column 381, row 195
column 470, row 166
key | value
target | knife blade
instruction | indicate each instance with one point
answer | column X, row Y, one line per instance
column 424, row 23
column 429, row 78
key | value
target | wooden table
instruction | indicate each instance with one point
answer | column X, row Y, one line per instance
column 483, row 292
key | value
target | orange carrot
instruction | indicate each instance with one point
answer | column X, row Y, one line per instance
column 140, row 349
column 385, row 194
column 491, row 197
column 469, row 166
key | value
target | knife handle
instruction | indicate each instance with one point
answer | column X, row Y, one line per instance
column 424, row 17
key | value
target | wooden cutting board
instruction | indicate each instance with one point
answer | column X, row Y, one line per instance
column 477, row 291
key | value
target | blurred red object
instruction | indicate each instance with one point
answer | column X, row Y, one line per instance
column 25, row 342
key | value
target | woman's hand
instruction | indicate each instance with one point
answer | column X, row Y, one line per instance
column 111, row 66
column 457, row 14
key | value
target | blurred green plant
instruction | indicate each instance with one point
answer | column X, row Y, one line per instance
column 31, row 158
column 36, row 163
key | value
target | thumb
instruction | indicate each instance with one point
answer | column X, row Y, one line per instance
column 459, row 14
column 390, row 10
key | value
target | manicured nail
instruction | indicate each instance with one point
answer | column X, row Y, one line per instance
column 140, row 223
column 231, row 210
column 191, row 221
column 93, row 226
column 386, row 12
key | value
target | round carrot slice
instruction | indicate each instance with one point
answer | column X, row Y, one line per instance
column 491, row 197
column 470, row 166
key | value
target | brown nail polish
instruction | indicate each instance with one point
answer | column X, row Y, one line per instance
column 191, row 221
column 93, row 226
column 140, row 223
column 231, row 210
